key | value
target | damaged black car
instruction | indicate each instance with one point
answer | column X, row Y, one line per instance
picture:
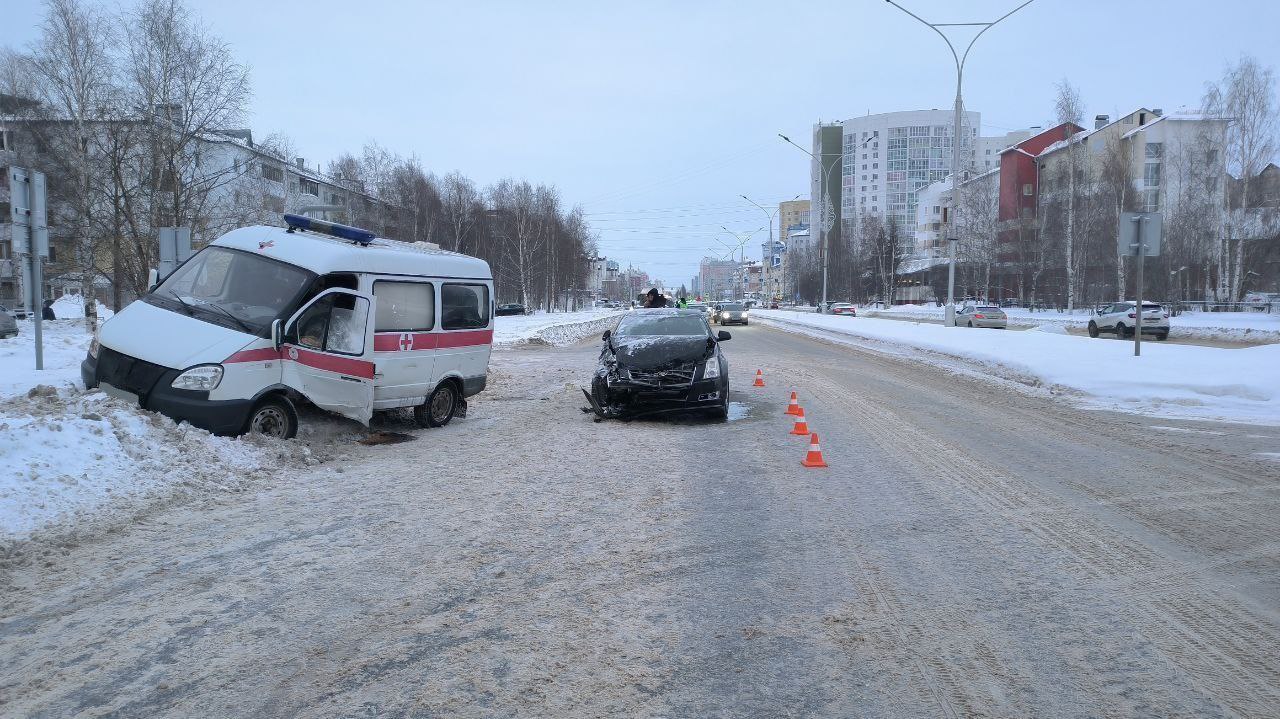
column 661, row 361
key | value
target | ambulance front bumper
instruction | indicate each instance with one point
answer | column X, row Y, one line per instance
column 226, row 417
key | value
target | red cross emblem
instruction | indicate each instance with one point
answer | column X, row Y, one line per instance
column 406, row 342
column 265, row 245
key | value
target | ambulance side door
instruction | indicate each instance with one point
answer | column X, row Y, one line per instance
column 326, row 353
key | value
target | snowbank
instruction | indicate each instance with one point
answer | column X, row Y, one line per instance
column 71, row 461
column 1167, row 380
column 560, row 328
column 67, row 456
column 69, row 307
column 65, row 345
column 1242, row 327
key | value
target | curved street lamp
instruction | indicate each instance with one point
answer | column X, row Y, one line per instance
column 960, row 59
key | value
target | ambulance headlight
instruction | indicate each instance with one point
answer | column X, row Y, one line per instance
column 202, row 378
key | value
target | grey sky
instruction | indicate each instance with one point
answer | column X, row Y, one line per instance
column 655, row 116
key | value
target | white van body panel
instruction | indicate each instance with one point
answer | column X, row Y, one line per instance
column 338, row 382
column 395, row 369
column 170, row 339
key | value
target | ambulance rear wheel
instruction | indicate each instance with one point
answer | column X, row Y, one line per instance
column 439, row 407
column 275, row 417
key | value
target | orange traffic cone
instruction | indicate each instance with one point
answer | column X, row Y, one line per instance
column 793, row 408
column 759, row 379
column 801, row 426
column 814, row 458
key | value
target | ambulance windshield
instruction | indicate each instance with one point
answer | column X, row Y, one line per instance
column 231, row 287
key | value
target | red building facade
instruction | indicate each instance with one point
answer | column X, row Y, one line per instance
column 1020, row 188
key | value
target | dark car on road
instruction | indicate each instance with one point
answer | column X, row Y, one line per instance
column 509, row 309
column 732, row 312
column 661, row 361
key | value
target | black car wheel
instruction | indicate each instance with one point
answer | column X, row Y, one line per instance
column 1162, row 336
column 1093, row 329
column 273, row 417
column 439, row 407
column 1121, row 332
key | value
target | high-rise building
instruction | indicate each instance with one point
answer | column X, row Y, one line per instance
column 791, row 212
column 889, row 157
column 824, row 183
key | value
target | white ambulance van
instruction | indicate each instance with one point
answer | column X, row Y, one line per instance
column 266, row 316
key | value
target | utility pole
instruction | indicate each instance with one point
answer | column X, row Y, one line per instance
column 950, row 320
column 28, row 214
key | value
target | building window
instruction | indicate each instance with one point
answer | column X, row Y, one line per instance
column 272, row 172
column 1211, row 156
column 1151, row 174
column 308, row 187
column 1155, row 150
column 1151, row 200
column 1026, row 190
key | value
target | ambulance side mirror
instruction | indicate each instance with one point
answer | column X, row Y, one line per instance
column 153, row 279
column 277, row 333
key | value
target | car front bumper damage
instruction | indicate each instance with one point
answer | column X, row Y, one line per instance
column 613, row 397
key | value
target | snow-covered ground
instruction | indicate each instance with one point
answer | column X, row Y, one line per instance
column 68, row 457
column 1167, row 380
column 1244, row 327
column 554, row 328
column 71, row 461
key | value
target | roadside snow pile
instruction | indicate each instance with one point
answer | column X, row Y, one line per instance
column 65, row 345
column 559, row 328
column 69, row 307
column 1242, row 327
column 1167, row 380
column 68, row 456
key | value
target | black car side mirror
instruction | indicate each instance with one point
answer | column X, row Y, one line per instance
column 605, row 337
column 721, row 336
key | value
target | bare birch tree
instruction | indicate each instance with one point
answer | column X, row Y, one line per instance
column 75, row 85
column 1246, row 94
column 459, row 198
column 1069, row 108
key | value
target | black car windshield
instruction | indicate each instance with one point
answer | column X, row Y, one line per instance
column 220, row 284
column 668, row 325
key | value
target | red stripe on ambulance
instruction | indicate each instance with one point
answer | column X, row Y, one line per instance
column 319, row 360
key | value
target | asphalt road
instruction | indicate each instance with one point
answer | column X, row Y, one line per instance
column 971, row 551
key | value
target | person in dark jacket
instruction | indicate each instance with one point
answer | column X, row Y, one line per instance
column 47, row 312
column 654, row 299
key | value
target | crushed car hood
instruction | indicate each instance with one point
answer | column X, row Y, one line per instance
column 659, row 352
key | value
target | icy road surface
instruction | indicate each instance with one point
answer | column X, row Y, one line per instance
column 970, row 552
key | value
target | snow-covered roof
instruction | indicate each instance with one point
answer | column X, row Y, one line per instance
column 912, row 265
column 1176, row 117
column 323, row 254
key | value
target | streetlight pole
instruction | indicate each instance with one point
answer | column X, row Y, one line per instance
column 769, row 215
column 742, row 245
column 950, row 320
column 824, row 180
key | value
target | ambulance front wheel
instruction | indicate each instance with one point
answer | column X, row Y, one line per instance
column 274, row 416
column 439, row 407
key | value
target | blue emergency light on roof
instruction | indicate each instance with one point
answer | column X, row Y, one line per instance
column 346, row 232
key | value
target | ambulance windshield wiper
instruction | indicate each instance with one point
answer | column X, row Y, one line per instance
column 189, row 308
column 227, row 312
column 186, row 305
